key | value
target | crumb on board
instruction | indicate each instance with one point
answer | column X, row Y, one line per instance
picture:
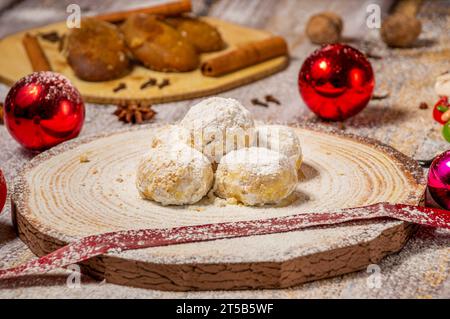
column 84, row 158
column 232, row 201
column 219, row 202
column 196, row 208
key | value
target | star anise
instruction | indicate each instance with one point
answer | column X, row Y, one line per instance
column 1, row 113
column 134, row 112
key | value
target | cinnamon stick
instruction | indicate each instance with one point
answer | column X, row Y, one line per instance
column 165, row 9
column 246, row 55
column 36, row 54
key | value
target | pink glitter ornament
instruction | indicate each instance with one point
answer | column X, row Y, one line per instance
column 439, row 180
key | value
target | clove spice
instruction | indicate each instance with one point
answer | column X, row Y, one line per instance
column 151, row 82
column 272, row 99
column 423, row 106
column 120, row 87
column 51, row 36
column 164, row 83
column 259, row 103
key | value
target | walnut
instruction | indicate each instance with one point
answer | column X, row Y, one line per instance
column 325, row 27
column 400, row 30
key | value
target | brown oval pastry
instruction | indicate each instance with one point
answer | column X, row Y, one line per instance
column 202, row 35
column 159, row 46
column 97, row 51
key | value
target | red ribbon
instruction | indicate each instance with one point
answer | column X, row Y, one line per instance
column 96, row 245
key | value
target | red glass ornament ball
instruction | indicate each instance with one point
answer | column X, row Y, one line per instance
column 439, row 180
column 3, row 191
column 42, row 110
column 336, row 82
column 440, row 108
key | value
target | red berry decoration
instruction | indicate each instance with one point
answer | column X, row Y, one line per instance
column 439, row 180
column 3, row 191
column 336, row 82
column 440, row 108
column 42, row 110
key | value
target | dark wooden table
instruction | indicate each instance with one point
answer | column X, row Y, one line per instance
column 420, row 270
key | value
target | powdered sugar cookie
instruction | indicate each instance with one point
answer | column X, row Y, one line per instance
column 255, row 176
column 219, row 125
column 282, row 139
column 174, row 175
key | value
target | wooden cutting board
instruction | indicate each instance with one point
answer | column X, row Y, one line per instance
column 14, row 64
column 58, row 199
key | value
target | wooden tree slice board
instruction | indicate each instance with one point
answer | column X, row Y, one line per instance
column 14, row 64
column 57, row 199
